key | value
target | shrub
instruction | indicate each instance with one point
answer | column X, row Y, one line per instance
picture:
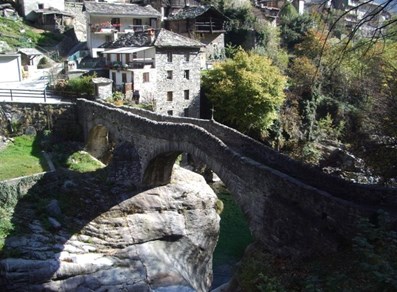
column 43, row 63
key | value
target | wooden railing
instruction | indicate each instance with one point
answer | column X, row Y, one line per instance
column 209, row 26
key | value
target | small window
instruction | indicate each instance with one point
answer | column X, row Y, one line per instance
column 114, row 77
column 186, row 74
column 169, row 74
column 186, row 112
column 137, row 21
column 118, row 57
column 186, row 94
column 134, row 55
column 187, row 57
column 40, row 5
column 170, row 113
column 146, row 77
column 124, row 77
column 169, row 96
column 169, row 57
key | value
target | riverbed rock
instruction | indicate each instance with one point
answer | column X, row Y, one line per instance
column 161, row 239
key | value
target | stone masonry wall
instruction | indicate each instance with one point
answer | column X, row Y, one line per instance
column 80, row 20
column 180, row 105
column 18, row 118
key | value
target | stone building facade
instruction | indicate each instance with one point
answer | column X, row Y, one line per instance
column 161, row 68
column 178, row 82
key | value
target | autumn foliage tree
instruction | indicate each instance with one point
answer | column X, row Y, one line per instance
column 246, row 92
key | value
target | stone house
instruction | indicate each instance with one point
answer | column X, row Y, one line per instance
column 106, row 22
column 158, row 67
column 203, row 23
column 48, row 15
column 30, row 57
column 27, row 8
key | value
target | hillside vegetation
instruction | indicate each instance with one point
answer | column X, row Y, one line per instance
column 17, row 34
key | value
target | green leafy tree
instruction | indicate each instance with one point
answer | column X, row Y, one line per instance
column 246, row 92
column 294, row 29
column 288, row 11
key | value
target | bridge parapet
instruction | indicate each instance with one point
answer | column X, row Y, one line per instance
column 313, row 176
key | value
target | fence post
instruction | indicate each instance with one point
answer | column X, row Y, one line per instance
column 45, row 95
column 11, row 95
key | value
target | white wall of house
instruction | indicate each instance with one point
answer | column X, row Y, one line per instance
column 10, row 68
column 27, row 6
column 96, row 38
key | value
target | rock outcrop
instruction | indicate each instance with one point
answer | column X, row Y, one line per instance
column 161, row 239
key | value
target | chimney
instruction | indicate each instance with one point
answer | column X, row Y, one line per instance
column 115, row 35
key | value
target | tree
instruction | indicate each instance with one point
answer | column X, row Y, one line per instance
column 246, row 92
column 293, row 29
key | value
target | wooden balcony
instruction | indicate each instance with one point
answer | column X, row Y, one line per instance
column 209, row 26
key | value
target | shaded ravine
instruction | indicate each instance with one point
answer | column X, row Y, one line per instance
column 234, row 237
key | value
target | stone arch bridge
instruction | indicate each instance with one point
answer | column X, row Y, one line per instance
column 292, row 209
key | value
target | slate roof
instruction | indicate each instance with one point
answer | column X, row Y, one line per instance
column 193, row 12
column 120, row 9
column 137, row 39
column 52, row 10
column 166, row 38
column 163, row 39
column 30, row 51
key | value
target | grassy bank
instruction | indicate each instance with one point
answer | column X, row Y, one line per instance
column 23, row 157
column 18, row 34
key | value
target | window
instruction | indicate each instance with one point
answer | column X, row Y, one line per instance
column 169, row 96
column 187, row 57
column 169, row 57
column 127, row 58
column 170, row 113
column 118, row 57
column 169, row 74
column 186, row 94
column 146, row 77
column 186, row 112
column 137, row 21
column 114, row 77
column 124, row 77
column 115, row 22
column 134, row 55
column 40, row 5
column 186, row 74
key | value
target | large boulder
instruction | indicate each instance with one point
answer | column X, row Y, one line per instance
column 161, row 239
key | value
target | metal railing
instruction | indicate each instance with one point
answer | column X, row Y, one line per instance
column 28, row 95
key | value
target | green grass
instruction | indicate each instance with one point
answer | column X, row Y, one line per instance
column 18, row 34
column 83, row 162
column 21, row 158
